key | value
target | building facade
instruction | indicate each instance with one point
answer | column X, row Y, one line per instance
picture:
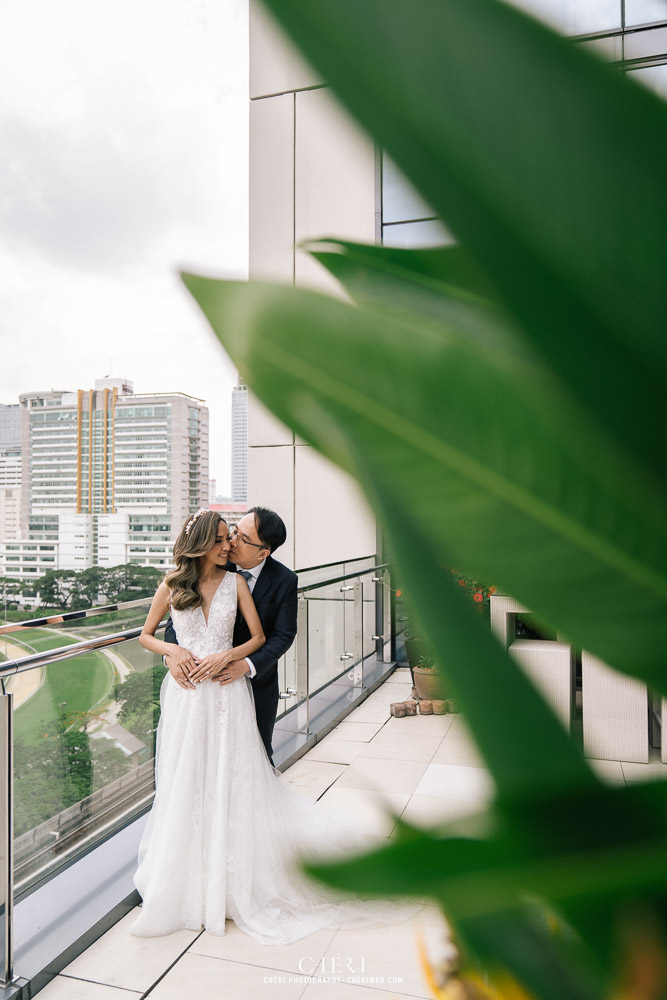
column 10, row 427
column 240, row 442
column 10, row 493
column 313, row 174
column 109, row 477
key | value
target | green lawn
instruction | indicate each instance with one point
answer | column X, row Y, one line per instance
column 40, row 639
column 80, row 682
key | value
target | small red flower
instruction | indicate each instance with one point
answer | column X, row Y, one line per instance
column 492, row 590
column 462, row 583
column 399, row 593
column 478, row 597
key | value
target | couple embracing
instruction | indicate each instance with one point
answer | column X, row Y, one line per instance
column 250, row 546
column 225, row 828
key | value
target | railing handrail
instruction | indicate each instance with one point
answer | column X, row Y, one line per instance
column 105, row 609
column 72, row 616
column 339, row 579
column 338, row 562
column 36, row 660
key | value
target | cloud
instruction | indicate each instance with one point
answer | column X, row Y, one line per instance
column 124, row 134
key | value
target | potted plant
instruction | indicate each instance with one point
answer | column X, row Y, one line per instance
column 426, row 678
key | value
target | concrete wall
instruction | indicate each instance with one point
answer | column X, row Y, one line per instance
column 312, row 173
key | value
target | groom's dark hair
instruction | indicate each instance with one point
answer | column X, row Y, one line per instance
column 270, row 527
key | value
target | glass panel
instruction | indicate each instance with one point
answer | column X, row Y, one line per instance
column 400, row 201
column 307, row 577
column 287, row 679
column 416, row 234
column 326, row 635
column 84, row 748
column 645, row 11
column 575, row 17
column 369, row 614
column 654, row 77
column 645, row 45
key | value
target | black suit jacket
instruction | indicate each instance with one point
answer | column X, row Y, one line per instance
column 275, row 597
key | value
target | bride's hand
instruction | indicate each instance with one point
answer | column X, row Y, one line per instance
column 211, row 666
column 181, row 663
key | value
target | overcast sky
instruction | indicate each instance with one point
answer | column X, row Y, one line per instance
column 123, row 130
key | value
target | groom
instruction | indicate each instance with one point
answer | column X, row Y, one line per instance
column 274, row 590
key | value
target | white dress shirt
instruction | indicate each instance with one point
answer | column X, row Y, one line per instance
column 252, row 581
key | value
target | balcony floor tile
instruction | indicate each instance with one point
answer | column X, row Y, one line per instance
column 431, row 810
column 313, row 776
column 119, row 958
column 456, row 781
column 200, row 976
column 375, row 774
column 396, row 746
column 420, row 725
column 389, row 952
column 457, row 750
column 66, row 988
column 372, row 813
column 236, row 946
column 358, row 731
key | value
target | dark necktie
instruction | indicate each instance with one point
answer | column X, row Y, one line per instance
column 245, row 574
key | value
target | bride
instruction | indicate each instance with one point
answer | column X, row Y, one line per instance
column 225, row 830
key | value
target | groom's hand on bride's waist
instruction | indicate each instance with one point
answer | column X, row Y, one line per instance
column 232, row 672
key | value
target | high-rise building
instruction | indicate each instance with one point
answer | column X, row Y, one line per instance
column 10, row 493
column 109, row 477
column 10, row 427
column 240, row 442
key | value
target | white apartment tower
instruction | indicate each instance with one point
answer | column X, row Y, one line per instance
column 10, row 493
column 111, row 476
column 10, row 427
column 240, row 442
column 10, row 471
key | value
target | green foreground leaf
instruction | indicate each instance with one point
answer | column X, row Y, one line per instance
column 469, row 442
column 546, row 163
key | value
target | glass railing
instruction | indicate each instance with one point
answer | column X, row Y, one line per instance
column 81, row 702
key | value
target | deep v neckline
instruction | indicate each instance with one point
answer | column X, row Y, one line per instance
column 210, row 607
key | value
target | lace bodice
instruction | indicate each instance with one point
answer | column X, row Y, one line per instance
column 201, row 637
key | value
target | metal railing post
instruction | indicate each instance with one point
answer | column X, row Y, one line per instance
column 7, row 836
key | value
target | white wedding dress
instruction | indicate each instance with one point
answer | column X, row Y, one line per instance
column 225, row 828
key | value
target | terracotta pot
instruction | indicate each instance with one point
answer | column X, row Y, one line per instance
column 428, row 683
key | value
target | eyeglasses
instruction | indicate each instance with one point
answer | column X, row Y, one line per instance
column 235, row 533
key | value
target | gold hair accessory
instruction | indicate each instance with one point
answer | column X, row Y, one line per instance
column 202, row 510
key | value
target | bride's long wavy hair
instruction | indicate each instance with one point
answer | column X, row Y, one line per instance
column 184, row 580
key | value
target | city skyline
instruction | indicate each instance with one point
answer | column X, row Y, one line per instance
column 107, row 478
column 221, row 463
column 126, row 137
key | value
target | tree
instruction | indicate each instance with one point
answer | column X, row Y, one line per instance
column 79, row 765
column 89, row 584
column 130, row 582
column 10, row 591
column 139, row 698
column 56, row 587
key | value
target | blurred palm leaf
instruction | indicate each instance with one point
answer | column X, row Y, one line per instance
column 476, row 443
